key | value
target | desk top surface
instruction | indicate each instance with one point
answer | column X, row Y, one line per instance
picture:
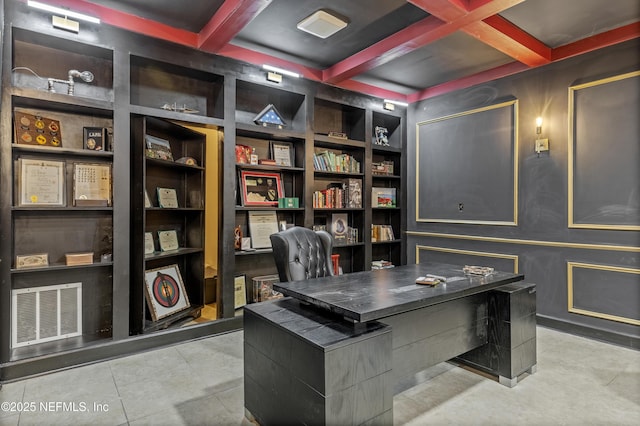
column 371, row 295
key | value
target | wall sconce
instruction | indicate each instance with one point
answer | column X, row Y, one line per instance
column 275, row 74
column 63, row 23
column 541, row 144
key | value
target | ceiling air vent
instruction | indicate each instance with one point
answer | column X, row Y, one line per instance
column 321, row 24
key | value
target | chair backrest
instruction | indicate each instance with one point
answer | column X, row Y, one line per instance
column 301, row 253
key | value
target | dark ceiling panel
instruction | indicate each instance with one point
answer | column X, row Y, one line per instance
column 274, row 30
column 450, row 58
column 558, row 22
column 190, row 15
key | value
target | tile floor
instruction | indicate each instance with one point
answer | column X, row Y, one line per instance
column 578, row 382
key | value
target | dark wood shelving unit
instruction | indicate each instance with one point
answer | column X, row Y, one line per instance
column 146, row 85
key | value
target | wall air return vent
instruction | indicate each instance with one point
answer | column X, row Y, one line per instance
column 43, row 314
column 322, row 24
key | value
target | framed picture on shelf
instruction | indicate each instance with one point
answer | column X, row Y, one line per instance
column 167, row 198
column 168, row 240
column 91, row 184
column 165, row 291
column 261, row 225
column 283, row 153
column 157, row 148
column 41, row 183
column 339, row 228
column 149, row 246
column 383, row 197
column 260, row 189
column 240, row 291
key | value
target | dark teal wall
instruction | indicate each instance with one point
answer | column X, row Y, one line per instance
column 597, row 269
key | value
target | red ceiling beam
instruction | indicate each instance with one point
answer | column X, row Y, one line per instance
column 228, row 21
column 129, row 22
column 465, row 82
column 598, row 41
column 447, row 17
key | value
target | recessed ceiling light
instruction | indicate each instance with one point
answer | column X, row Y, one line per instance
column 321, row 24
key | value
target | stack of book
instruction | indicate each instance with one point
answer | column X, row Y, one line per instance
column 381, row 264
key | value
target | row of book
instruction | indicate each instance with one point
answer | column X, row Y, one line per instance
column 329, row 161
column 338, row 195
column 382, row 233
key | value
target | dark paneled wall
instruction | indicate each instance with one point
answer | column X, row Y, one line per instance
column 587, row 270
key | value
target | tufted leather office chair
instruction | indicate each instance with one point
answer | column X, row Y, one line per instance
column 301, row 253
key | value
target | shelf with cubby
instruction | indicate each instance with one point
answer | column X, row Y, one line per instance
column 172, row 91
column 168, row 236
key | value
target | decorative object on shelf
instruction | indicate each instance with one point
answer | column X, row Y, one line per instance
column 354, row 193
column 262, row 288
column 165, row 291
column 270, row 116
column 86, row 76
column 338, row 135
column 95, row 138
column 91, row 184
column 243, row 154
column 147, row 200
column 381, row 136
column 246, row 243
column 339, row 228
column 167, row 198
column 36, row 130
column 237, row 237
column 149, row 246
column 383, row 197
column 383, row 168
column 288, row 203
column 184, row 108
column 168, row 240
column 267, row 162
column 189, row 161
column 261, row 226
column 240, row 291
column 253, row 157
column 335, row 262
column 41, row 183
column 77, row 259
column 158, row 148
column 260, row 189
column 27, row 261
column 283, row 153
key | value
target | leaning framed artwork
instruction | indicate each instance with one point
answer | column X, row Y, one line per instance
column 260, row 188
column 165, row 291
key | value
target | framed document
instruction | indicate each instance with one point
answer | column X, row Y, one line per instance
column 167, row 198
column 283, row 153
column 240, row 287
column 91, row 184
column 168, row 240
column 165, row 291
column 147, row 200
column 149, row 247
column 41, row 183
column 26, row 261
column 260, row 189
column 261, row 226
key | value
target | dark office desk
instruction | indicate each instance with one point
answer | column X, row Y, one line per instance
column 335, row 351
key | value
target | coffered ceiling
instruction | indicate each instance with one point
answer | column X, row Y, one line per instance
column 406, row 50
